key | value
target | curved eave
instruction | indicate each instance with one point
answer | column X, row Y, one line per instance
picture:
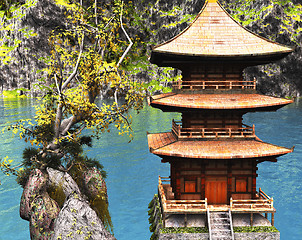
column 213, row 149
column 243, row 102
column 168, row 59
column 215, row 35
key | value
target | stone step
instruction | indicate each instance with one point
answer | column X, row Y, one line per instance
column 220, row 226
column 220, row 230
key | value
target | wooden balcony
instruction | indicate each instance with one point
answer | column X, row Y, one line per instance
column 178, row 206
column 263, row 203
column 214, row 84
column 189, row 133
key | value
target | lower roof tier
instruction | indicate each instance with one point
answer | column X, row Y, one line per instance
column 248, row 102
column 166, row 144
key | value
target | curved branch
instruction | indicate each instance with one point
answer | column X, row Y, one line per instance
column 76, row 67
column 129, row 39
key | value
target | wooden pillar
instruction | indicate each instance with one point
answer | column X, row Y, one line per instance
column 254, row 176
column 273, row 219
column 252, row 219
column 203, row 181
column 229, row 181
column 266, row 215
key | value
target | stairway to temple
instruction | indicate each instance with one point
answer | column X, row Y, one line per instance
column 220, row 226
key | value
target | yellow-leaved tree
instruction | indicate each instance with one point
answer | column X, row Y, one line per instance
column 86, row 59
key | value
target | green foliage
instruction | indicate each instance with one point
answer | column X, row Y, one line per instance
column 22, row 176
column 57, row 194
column 255, row 229
column 14, row 93
column 100, row 205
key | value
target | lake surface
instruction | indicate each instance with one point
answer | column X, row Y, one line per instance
column 133, row 171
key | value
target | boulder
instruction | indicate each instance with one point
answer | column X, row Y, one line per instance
column 64, row 180
column 35, row 185
column 78, row 221
column 44, row 211
column 94, row 184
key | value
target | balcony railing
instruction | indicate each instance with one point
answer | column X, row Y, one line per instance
column 215, row 84
column 263, row 202
column 185, row 133
column 179, row 206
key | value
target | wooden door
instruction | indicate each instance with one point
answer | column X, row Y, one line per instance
column 216, row 190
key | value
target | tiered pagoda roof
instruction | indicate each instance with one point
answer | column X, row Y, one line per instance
column 215, row 37
column 214, row 34
column 251, row 102
column 167, row 144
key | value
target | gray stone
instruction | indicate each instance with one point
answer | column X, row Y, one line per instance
column 77, row 220
column 183, row 236
column 64, row 180
column 258, row 236
column 205, row 236
column 193, row 220
column 240, row 220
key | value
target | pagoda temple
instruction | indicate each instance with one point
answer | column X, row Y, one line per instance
column 213, row 154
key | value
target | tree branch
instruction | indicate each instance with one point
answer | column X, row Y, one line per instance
column 129, row 39
column 76, row 67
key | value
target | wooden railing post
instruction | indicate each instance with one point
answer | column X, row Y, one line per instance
column 253, row 129
column 254, row 83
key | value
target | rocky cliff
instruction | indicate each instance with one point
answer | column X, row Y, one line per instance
column 160, row 20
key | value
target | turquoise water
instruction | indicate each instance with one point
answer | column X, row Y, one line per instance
column 133, row 172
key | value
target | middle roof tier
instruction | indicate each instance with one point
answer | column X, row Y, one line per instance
column 167, row 145
column 180, row 102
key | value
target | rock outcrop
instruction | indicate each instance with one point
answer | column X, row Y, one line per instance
column 74, row 219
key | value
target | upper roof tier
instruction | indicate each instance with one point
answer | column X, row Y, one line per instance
column 214, row 34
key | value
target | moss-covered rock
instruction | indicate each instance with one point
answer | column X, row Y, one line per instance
column 35, row 186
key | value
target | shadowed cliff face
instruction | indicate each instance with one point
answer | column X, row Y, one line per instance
column 24, row 70
column 162, row 19
column 279, row 21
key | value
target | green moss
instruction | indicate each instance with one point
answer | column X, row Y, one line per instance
column 57, row 194
column 255, row 229
column 14, row 93
column 184, row 230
